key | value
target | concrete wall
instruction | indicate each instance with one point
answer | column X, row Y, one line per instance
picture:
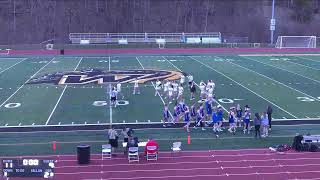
column 34, row 21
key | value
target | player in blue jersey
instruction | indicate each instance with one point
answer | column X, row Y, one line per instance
column 208, row 105
column 220, row 118
column 231, row 117
column 239, row 115
column 187, row 118
column 166, row 115
column 200, row 117
column 193, row 112
column 246, row 119
column 215, row 121
column 176, row 113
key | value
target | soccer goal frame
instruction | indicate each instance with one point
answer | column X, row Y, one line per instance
column 296, row 42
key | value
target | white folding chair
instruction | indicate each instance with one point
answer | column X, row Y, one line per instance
column 133, row 154
column 176, row 147
column 152, row 154
column 106, row 151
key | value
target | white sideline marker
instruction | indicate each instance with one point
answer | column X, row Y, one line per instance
column 149, row 121
column 72, row 123
column 19, row 124
column 136, row 121
column 59, row 123
column 85, row 122
column 124, row 121
column 98, row 122
column 32, row 124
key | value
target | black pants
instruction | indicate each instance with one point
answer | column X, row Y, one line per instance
column 269, row 118
column 257, row 130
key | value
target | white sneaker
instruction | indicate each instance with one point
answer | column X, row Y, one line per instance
column 203, row 129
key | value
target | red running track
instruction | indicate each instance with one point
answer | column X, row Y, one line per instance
column 254, row 164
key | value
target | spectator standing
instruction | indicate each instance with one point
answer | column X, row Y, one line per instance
column 269, row 112
column 265, row 124
column 113, row 138
column 126, row 132
column 257, row 124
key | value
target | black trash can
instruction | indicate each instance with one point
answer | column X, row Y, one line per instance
column 83, row 152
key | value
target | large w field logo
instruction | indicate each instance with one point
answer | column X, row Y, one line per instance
column 99, row 76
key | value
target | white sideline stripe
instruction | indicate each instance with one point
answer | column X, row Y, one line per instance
column 95, row 124
column 110, row 107
column 194, row 81
column 26, row 82
column 13, row 65
column 284, row 70
column 190, row 176
column 64, row 89
column 245, row 87
column 154, row 89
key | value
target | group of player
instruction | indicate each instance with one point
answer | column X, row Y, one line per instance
column 208, row 113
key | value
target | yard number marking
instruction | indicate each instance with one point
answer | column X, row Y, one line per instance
column 12, row 105
column 307, row 99
column 104, row 103
column 279, row 59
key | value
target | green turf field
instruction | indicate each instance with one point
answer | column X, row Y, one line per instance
column 289, row 83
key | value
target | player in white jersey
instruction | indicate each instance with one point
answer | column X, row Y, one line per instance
column 175, row 88
column 170, row 93
column 210, row 91
column 182, row 79
column 113, row 97
column 180, row 92
column 158, row 87
column 136, row 89
column 190, row 79
column 211, row 84
column 119, row 90
column 165, row 88
column 202, row 87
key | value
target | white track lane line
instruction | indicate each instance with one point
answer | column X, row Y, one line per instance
column 26, row 82
column 64, row 89
column 245, row 87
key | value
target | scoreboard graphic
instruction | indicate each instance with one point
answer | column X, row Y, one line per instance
column 28, row 168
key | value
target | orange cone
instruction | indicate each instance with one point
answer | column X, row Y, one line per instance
column 189, row 139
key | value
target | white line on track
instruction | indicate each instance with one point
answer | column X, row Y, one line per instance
column 277, row 67
column 62, row 93
column 25, row 82
column 194, row 82
column 245, row 87
column 13, row 65
column 154, row 87
column 276, row 80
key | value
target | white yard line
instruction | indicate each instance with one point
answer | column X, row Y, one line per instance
column 275, row 81
column 245, row 87
column 309, row 59
column 62, row 93
column 26, row 82
column 284, row 70
column 110, row 107
column 194, row 81
column 13, row 65
column 309, row 67
column 154, row 87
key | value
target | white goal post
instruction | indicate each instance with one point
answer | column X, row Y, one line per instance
column 296, row 42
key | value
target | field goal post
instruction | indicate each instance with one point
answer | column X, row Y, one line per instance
column 296, row 42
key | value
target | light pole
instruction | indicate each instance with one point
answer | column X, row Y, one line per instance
column 272, row 23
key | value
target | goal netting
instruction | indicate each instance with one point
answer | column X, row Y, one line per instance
column 296, row 42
